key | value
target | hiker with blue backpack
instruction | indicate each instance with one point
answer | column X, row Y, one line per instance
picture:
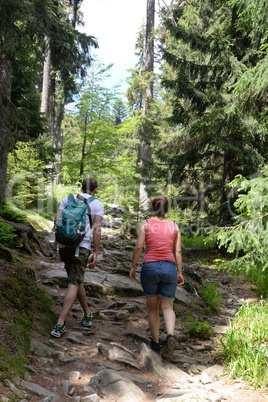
column 78, row 216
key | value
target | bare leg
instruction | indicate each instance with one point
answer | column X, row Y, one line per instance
column 169, row 318
column 168, row 314
column 153, row 316
column 68, row 302
column 82, row 297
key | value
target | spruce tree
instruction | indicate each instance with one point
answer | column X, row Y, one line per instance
column 206, row 55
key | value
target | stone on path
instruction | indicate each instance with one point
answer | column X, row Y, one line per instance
column 198, row 395
column 153, row 362
column 35, row 389
column 112, row 384
column 76, row 337
column 97, row 280
column 116, row 352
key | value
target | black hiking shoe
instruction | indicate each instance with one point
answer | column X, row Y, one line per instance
column 169, row 348
column 154, row 346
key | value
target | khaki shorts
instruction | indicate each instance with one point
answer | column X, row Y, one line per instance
column 75, row 266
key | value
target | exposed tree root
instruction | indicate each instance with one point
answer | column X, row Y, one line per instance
column 29, row 235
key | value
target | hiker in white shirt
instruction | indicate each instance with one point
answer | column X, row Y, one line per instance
column 76, row 266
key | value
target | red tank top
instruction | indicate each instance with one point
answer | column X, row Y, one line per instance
column 159, row 238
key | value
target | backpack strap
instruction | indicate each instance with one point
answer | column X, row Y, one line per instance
column 71, row 197
column 80, row 197
column 87, row 201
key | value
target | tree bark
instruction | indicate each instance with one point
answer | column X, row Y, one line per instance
column 58, row 143
column 75, row 11
column 146, row 151
column 227, row 164
column 46, row 78
column 83, row 153
column 5, row 90
column 51, row 124
column 149, row 52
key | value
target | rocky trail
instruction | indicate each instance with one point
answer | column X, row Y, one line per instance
column 110, row 361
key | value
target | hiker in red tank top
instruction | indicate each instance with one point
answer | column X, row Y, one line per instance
column 161, row 271
column 159, row 238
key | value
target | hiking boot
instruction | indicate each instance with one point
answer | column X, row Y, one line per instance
column 154, row 346
column 87, row 320
column 58, row 330
column 169, row 348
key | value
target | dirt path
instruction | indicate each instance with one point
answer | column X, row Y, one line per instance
column 105, row 329
column 87, row 359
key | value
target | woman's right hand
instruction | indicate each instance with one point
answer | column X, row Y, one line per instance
column 132, row 273
column 180, row 279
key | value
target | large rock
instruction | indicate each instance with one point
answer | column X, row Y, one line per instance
column 42, row 350
column 39, row 349
column 153, row 362
column 116, row 352
column 98, row 281
column 116, row 387
column 182, row 296
column 35, row 389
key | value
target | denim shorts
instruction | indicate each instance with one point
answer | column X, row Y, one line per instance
column 159, row 278
column 75, row 266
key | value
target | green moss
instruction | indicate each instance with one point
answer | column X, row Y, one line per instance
column 98, row 317
column 7, row 233
column 126, row 319
column 11, row 364
column 120, row 293
column 20, row 337
column 31, row 310
column 12, row 214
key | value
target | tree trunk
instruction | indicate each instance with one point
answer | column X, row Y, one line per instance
column 146, row 151
column 46, row 78
column 75, row 11
column 83, row 149
column 227, row 164
column 83, row 156
column 51, row 108
column 149, row 52
column 58, row 142
column 5, row 89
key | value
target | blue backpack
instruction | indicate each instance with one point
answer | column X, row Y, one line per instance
column 70, row 228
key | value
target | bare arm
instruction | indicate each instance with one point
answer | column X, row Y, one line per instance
column 178, row 257
column 58, row 214
column 96, row 241
column 138, row 249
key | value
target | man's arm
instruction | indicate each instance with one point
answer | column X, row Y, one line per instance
column 96, row 241
column 58, row 214
column 62, row 205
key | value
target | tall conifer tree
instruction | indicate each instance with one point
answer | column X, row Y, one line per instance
column 146, row 150
column 208, row 53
